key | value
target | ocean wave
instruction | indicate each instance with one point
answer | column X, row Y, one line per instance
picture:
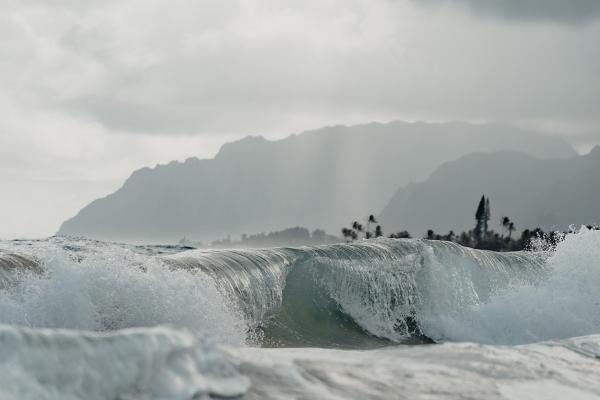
column 565, row 303
column 357, row 295
column 363, row 294
column 101, row 287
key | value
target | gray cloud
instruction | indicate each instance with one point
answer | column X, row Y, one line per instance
column 562, row 11
column 219, row 67
column 128, row 116
column 90, row 90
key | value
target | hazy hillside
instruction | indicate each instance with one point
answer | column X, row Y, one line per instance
column 551, row 194
column 319, row 178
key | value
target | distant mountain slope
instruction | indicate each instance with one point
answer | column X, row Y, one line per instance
column 551, row 194
column 320, row 178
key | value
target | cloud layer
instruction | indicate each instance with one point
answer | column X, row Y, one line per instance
column 90, row 90
column 562, row 11
column 265, row 66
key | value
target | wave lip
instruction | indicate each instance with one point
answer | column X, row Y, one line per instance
column 157, row 362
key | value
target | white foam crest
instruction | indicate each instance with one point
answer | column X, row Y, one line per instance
column 142, row 363
column 564, row 304
column 114, row 288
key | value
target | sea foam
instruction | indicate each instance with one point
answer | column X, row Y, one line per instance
column 143, row 363
column 108, row 287
column 565, row 303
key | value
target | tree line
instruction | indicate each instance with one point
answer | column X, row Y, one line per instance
column 296, row 236
column 480, row 237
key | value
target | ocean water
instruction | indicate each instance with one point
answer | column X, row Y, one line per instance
column 379, row 319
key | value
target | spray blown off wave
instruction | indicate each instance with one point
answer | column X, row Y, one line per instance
column 348, row 295
column 564, row 304
column 100, row 287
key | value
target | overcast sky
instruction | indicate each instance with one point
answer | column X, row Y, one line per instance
column 91, row 90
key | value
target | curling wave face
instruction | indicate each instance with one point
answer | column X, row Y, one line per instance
column 359, row 295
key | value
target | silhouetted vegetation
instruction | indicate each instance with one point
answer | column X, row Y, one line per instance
column 480, row 237
column 357, row 231
column 297, row 236
column 482, row 216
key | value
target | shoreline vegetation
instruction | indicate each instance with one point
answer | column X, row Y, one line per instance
column 482, row 236
column 297, row 236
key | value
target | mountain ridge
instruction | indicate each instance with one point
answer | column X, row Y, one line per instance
column 319, row 179
column 532, row 192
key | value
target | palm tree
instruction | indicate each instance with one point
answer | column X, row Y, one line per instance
column 371, row 219
column 505, row 221
column 511, row 229
column 508, row 225
column 357, row 226
column 348, row 234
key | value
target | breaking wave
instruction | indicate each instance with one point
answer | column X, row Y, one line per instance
column 100, row 287
column 359, row 295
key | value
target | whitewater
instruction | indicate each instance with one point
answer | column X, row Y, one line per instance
column 377, row 319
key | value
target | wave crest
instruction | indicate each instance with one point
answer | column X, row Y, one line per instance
column 364, row 294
